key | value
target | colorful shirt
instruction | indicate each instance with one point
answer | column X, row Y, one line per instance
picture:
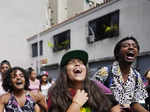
column 72, row 92
column 124, row 92
column 13, row 106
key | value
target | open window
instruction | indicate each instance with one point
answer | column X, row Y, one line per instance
column 62, row 41
column 103, row 27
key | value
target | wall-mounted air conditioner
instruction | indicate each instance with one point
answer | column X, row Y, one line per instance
column 90, row 39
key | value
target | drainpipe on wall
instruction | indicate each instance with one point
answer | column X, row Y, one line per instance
column 38, row 57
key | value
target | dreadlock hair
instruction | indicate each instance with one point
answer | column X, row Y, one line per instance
column 61, row 98
column 118, row 46
column 7, row 83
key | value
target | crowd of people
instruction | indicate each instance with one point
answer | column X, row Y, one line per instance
column 114, row 88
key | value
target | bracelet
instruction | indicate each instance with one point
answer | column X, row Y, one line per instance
column 77, row 103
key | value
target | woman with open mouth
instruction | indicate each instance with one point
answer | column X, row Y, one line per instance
column 18, row 98
column 74, row 91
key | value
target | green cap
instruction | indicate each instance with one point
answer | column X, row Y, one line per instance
column 74, row 54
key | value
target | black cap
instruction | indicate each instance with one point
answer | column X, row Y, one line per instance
column 78, row 54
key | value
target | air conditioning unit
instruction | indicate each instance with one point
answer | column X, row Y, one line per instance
column 90, row 39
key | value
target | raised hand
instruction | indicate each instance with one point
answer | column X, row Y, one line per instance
column 80, row 97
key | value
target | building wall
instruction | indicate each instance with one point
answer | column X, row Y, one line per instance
column 75, row 7
column 19, row 19
column 54, row 11
column 135, row 17
column 58, row 11
column 62, row 10
column 134, row 20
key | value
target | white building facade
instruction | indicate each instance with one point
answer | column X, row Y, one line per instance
column 61, row 10
column 107, row 23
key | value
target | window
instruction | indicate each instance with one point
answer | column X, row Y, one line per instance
column 104, row 27
column 35, row 49
column 41, row 48
column 62, row 41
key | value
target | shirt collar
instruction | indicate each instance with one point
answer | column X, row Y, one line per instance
column 116, row 69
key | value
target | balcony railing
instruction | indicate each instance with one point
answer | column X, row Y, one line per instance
column 95, row 4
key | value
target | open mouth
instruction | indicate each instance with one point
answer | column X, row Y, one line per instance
column 130, row 55
column 77, row 70
column 19, row 83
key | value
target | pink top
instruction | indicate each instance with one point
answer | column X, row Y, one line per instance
column 34, row 85
column 105, row 89
column 146, row 83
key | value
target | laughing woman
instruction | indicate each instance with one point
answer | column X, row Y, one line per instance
column 18, row 98
column 73, row 91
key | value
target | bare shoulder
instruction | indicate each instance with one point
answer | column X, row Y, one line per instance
column 4, row 98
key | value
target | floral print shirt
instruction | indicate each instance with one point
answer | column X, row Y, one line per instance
column 13, row 106
column 132, row 90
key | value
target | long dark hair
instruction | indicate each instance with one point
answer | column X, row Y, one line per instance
column 61, row 98
column 29, row 71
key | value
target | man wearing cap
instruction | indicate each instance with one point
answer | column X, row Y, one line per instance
column 73, row 91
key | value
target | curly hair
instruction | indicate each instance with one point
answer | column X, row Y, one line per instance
column 118, row 46
column 7, row 83
column 61, row 98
